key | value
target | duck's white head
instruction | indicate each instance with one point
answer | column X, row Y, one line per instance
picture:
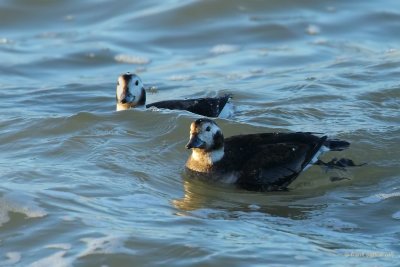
column 206, row 141
column 130, row 91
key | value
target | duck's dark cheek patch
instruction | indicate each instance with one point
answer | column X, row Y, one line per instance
column 218, row 139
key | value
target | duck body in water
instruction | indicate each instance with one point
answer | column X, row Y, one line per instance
column 259, row 162
column 131, row 93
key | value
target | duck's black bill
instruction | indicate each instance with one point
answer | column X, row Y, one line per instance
column 195, row 142
column 127, row 99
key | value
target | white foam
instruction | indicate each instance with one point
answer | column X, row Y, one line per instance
column 338, row 225
column 154, row 109
column 313, row 30
column 5, row 41
column 20, row 203
column 12, row 258
column 3, row 215
column 105, row 245
column 391, row 51
column 320, row 41
column 180, row 77
column 224, row 48
column 130, row 59
column 68, row 218
column 396, row 215
column 379, row 197
column 64, row 246
column 254, row 207
column 371, row 199
column 56, row 259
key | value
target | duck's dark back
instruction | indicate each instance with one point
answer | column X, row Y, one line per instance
column 209, row 107
column 269, row 161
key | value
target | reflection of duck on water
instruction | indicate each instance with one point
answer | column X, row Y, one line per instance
column 225, row 202
column 131, row 93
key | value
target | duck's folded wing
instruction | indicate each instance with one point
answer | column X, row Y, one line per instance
column 209, row 107
column 276, row 166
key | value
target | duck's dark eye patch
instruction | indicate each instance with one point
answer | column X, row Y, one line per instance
column 137, row 82
column 117, row 83
column 208, row 128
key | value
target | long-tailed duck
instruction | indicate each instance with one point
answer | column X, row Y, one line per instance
column 260, row 162
column 131, row 93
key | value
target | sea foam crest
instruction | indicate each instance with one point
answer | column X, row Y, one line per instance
column 20, row 203
column 105, row 245
column 396, row 215
column 56, row 259
column 224, row 48
column 130, row 59
column 12, row 258
column 379, row 197
column 180, row 77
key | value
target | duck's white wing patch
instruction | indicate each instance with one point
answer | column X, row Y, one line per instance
column 227, row 111
column 322, row 150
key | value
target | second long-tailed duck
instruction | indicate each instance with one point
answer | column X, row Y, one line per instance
column 131, row 93
column 260, row 162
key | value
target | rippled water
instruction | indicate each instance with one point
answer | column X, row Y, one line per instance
column 82, row 185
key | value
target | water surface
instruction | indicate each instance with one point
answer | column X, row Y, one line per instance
column 83, row 185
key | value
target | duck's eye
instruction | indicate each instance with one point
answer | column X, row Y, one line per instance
column 137, row 82
column 208, row 129
column 117, row 83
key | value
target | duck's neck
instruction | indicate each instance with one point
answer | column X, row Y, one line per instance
column 208, row 158
column 203, row 161
column 121, row 106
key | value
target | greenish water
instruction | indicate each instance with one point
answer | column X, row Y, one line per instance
column 83, row 185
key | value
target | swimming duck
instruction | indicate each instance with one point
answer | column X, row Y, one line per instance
column 131, row 93
column 259, row 162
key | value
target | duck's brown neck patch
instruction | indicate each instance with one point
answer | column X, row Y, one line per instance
column 203, row 161
column 121, row 106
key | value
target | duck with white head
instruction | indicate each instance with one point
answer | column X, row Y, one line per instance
column 131, row 93
column 260, row 162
